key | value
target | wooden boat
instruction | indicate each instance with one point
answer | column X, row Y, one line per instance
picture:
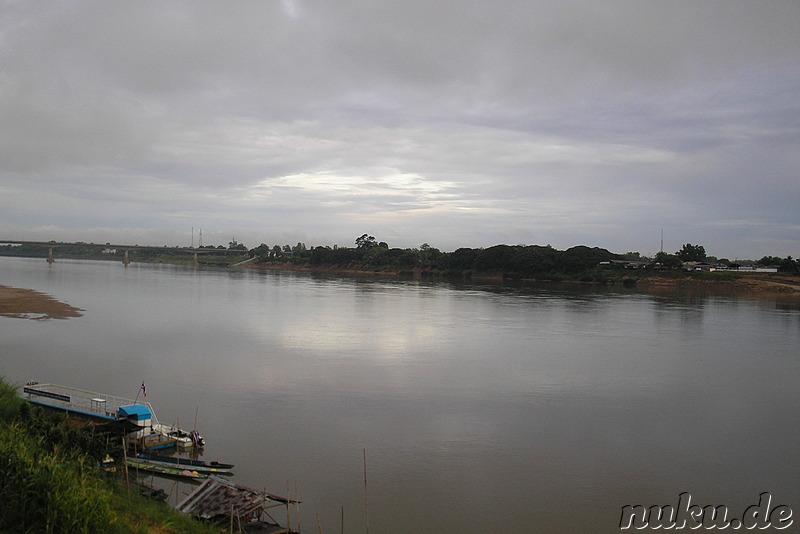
column 164, row 470
column 155, row 441
column 185, row 463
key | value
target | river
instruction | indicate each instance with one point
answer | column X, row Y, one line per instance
column 481, row 408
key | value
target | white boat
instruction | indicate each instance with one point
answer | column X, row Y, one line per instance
column 107, row 408
column 184, row 439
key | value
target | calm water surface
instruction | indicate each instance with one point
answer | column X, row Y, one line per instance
column 481, row 409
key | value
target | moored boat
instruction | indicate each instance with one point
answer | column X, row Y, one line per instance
column 184, row 439
column 142, row 465
column 105, row 409
column 154, row 441
column 186, row 463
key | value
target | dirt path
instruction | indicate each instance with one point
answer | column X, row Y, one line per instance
column 29, row 304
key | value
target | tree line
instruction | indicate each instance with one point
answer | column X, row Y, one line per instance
column 510, row 261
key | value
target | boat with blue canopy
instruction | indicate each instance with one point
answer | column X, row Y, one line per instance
column 103, row 408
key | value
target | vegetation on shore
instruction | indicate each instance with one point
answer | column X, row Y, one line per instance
column 51, row 482
column 513, row 262
column 510, row 262
column 500, row 261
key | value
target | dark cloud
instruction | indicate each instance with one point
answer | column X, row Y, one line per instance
column 452, row 123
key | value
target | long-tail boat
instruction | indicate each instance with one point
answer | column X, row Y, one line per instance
column 184, row 463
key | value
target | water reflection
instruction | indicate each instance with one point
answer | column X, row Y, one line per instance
column 530, row 407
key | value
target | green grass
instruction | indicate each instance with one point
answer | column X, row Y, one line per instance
column 143, row 515
column 50, row 482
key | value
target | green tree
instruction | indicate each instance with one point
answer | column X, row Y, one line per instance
column 788, row 265
column 461, row 259
column 581, row 258
column 691, row 252
column 366, row 242
column 770, row 260
column 261, row 252
column 668, row 261
column 429, row 255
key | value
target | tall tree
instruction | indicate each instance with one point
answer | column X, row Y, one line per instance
column 366, row 241
column 669, row 261
column 691, row 252
column 788, row 265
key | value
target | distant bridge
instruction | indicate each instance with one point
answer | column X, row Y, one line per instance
column 125, row 248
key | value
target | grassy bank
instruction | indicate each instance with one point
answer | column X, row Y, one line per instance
column 50, row 480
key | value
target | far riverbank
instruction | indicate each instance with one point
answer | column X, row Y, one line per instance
column 31, row 304
column 746, row 283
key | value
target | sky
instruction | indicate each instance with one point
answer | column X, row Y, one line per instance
column 452, row 123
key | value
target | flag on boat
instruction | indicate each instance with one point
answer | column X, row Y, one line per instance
column 144, row 389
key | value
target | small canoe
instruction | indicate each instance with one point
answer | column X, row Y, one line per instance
column 184, row 463
column 164, row 470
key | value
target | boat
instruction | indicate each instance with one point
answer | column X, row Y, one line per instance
column 154, row 441
column 164, row 470
column 186, row 463
column 104, row 409
column 184, row 439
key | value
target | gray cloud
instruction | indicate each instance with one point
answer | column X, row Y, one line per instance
column 452, row 123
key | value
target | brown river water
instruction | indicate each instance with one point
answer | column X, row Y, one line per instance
column 481, row 408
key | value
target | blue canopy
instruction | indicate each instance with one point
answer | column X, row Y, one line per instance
column 139, row 412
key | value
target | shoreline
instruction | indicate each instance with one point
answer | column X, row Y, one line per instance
column 29, row 304
column 752, row 285
column 745, row 284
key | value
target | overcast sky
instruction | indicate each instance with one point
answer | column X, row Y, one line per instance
column 454, row 123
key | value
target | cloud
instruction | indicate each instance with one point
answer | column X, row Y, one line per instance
column 453, row 123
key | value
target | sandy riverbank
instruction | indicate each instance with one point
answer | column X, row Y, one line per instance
column 30, row 304
column 784, row 286
column 749, row 284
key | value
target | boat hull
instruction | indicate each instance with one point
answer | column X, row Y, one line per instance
column 185, row 463
column 164, row 470
column 103, row 408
